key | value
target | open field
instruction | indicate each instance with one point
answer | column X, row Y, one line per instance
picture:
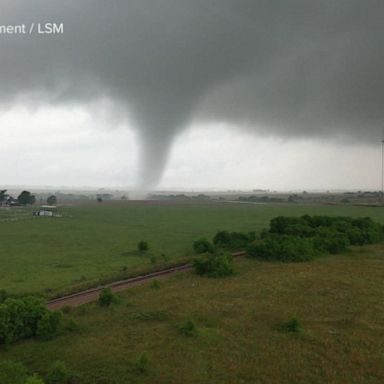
column 338, row 299
column 94, row 242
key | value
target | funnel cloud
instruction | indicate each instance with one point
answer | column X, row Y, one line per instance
column 291, row 68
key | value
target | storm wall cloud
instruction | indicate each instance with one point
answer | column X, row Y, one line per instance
column 283, row 67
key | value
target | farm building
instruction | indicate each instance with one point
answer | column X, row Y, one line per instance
column 46, row 210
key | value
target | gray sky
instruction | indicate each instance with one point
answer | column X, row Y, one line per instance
column 281, row 94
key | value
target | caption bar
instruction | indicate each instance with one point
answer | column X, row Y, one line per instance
column 33, row 29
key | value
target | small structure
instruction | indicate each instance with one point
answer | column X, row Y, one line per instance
column 46, row 210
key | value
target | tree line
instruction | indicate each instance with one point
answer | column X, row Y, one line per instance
column 24, row 198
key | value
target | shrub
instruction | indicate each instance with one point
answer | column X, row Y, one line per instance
column 222, row 239
column 202, row 246
column 142, row 363
column 35, row 379
column 155, row 284
column 3, row 295
column 283, row 248
column 302, row 238
column 58, row 374
column 12, row 373
column 330, row 241
column 214, row 265
column 369, row 231
column 188, row 328
column 47, row 326
column 72, row 325
column 280, row 224
column 292, row 326
column 107, row 297
column 142, row 246
column 240, row 240
column 233, row 240
column 20, row 318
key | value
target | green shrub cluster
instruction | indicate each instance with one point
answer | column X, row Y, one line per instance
column 283, row 248
column 58, row 374
column 357, row 231
column 142, row 364
column 12, row 372
column 189, row 328
column 34, row 379
column 233, row 240
column 203, row 246
column 26, row 317
column 303, row 238
column 142, row 246
column 214, row 265
column 292, row 326
column 224, row 240
column 107, row 297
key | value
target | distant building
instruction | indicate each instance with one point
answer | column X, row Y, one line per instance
column 46, row 210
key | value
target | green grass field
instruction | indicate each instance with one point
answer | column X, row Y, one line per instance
column 93, row 243
column 338, row 299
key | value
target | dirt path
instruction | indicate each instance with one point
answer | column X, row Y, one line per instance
column 92, row 294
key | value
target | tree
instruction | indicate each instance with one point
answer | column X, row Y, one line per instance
column 3, row 195
column 142, row 246
column 26, row 197
column 52, row 200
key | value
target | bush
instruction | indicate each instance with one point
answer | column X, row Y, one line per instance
column 188, row 328
column 155, row 284
column 329, row 234
column 240, row 240
column 202, row 246
column 142, row 246
column 142, row 363
column 3, row 295
column 34, row 380
column 72, row 325
column 58, row 374
column 12, row 373
column 107, row 297
column 292, row 326
column 20, row 318
column 330, row 241
column 214, row 265
column 233, row 240
column 280, row 224
column 283, row 248
column 48, row 325
column 222, row 239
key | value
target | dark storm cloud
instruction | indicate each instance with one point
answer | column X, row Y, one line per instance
column 286, row 67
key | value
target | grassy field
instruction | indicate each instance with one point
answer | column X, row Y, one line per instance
column 92, row 243
column 338, row 299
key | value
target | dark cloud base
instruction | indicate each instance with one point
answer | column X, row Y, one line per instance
column 285, row 67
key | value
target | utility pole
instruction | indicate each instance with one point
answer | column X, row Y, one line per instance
column 382, row 171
